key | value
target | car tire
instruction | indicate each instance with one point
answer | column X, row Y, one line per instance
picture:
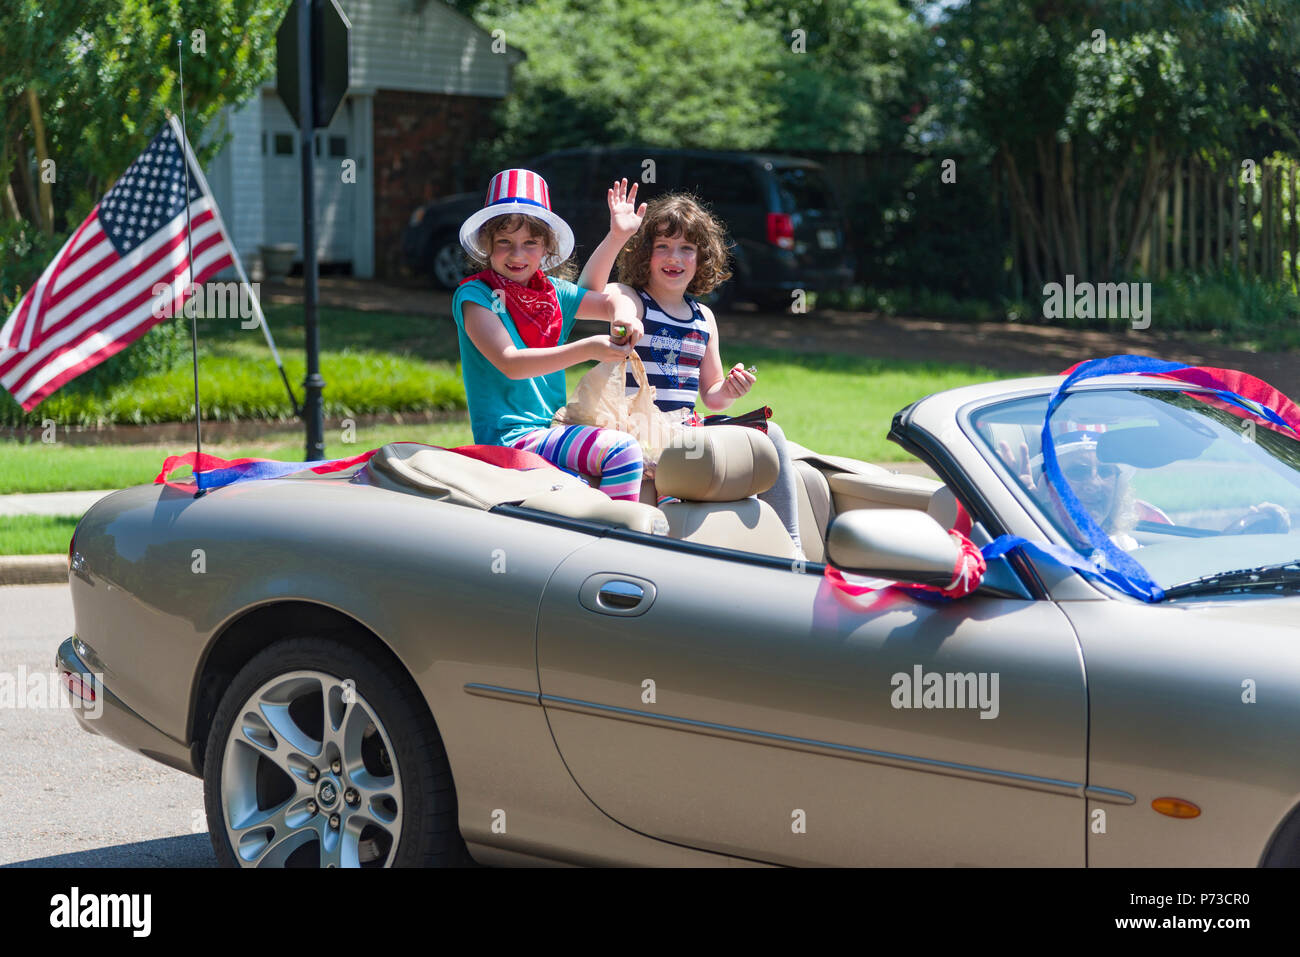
column 447, row 261
column 322, row 756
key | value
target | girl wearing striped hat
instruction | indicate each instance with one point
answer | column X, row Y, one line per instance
column 514, row 324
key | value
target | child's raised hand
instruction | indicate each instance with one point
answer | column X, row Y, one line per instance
column 737, row 381
column 624, row 217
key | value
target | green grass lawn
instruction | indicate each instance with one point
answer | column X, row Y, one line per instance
column 36, row 534
column 835, row 404
column 35, row 467
column 371, row 363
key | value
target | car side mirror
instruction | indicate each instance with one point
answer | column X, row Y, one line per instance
column 901, row 544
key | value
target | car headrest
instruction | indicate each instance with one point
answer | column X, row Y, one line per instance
column 718, row 463
column 943, row 507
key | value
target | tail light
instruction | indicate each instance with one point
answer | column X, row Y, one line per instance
column 780, row 230
column 72, row 543
column 79, row 686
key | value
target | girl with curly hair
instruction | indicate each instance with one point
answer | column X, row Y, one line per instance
column 673, row 250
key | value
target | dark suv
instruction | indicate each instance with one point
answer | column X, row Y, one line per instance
column 787, row 229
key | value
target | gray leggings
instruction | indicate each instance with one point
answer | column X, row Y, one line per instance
column 782, row 496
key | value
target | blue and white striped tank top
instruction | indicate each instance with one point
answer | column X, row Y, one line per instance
column 671, row 350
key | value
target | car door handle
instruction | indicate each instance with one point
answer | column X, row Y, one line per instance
column 620, row 595
column 610, row 593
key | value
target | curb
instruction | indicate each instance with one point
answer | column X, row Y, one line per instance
column 33, row 569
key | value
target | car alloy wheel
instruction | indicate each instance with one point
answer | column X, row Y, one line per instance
column 310, row 767
column 449, row 263
column 307, row 768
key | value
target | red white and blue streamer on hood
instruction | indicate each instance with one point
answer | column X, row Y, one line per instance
column 1108, row 562
column 215, row 472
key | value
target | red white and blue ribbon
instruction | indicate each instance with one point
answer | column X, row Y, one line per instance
column 967, row 573
column 216, row 472
column 1109, row 563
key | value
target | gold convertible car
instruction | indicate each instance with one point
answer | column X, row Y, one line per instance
column 427, row 659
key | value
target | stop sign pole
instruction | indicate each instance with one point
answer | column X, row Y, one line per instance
column 313, row 56
column 314, row 384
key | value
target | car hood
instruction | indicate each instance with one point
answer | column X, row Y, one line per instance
column 1282, row 611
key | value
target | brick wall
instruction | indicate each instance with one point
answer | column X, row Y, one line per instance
column 422, row 144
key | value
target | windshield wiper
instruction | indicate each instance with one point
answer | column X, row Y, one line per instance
column 1284, row 575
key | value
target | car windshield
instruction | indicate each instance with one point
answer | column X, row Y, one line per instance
column 1188, row 484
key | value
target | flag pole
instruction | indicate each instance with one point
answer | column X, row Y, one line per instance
column 194, row 321
column 239, row 265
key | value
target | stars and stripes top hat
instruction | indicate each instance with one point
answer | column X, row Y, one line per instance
column 517, row 191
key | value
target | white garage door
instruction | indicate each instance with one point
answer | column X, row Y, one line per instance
column 282, row 193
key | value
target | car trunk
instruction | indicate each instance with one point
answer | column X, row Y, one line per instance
column 804, row 195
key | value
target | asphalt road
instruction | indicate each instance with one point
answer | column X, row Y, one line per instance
column 68, row 798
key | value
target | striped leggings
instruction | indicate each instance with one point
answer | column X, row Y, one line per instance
column 611, row 457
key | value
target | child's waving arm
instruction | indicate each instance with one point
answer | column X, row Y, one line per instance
column 624, row 221
column 719, row 389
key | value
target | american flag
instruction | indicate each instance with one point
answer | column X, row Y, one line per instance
column 97, row 296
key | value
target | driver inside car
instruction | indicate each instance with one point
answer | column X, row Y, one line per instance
column 1100, row 487
column 1105, row 491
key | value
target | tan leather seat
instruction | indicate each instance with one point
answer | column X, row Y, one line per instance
column 830, row 484
column 816, row 509
column 714, row 477
column 443, row 474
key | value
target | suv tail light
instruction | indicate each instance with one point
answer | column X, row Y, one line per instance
column 780, row 230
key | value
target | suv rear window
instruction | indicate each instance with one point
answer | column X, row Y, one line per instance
column 802, row 188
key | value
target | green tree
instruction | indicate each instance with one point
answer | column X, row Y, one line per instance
column 847, row 79
column 683, row 73
column 740, row 74
column 86, row 83
column 1087, row 105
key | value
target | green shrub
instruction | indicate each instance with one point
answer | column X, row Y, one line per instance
column 1243, row 311
column 25, row 251
column 1248, row 310
column 232, row 387
column 1240, row 310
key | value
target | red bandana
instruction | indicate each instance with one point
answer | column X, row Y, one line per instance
column 532, row 306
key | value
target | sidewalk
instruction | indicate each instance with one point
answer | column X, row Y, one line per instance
column 50, row 503
column 42, row 569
